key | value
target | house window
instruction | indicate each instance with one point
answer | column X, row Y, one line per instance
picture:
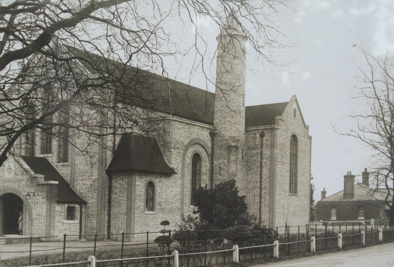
column 196, row 176
column 30, row 135
column 63, row 136
column 46, row 131
column 333, row 214
column 361, row 214
column 71, row 211
column 293, row 164
column 150, row 197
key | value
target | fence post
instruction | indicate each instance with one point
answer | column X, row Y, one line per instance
column 340, row 240
column 31, row 244
column 175, row 254
column 92, row 261
column 380, row 234
column 121, row 250
column 313, row 244
column 236, row 253
column 64, row 246
column 276, row 249
column 372, row 223
column 95, row 244
column 363, row 237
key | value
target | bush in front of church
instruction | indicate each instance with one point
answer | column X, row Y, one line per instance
column 221, row 207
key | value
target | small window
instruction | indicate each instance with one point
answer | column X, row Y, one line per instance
column 333, row 214
column 295, row 112
column 71, row 210
column 361, row 214
column 150, row 197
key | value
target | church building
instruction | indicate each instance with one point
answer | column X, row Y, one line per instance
column 200, row 139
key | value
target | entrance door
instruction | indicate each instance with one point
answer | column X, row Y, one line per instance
column 12, row 208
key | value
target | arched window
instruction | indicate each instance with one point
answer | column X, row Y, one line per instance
column 150, row 197
column 293, row 164
column 46, row 133
column 63, row 136
column 30, row 135
column 196, row 175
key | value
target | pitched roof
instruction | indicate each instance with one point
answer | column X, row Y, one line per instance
column 145, row 89
column 361, row 193
column 263, row 114
column 65, row 194
column 139, row 154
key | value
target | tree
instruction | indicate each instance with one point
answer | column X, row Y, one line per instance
column 221, row 207
column 312, row 202
column 72, row 48
column 375, row 127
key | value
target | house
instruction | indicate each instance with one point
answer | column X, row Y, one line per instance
column 130, row 182
column 357, row 202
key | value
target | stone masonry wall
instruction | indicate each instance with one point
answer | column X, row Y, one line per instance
column 292, row 209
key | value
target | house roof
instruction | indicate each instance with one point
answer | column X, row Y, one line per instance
column 139, row 154
column 263, row 114
column 165, row 95
column 361, row 193
column 65, row 193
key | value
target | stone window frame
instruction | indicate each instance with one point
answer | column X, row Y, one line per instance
column 333, row 215
column 153, row 211
column 293, row 166
column 196, row 180
column 361, row 214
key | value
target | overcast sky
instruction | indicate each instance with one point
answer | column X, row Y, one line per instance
column 321, row 70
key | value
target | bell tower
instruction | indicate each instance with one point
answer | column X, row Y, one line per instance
column 229, row 118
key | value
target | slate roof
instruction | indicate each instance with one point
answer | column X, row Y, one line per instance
column 361, row 193
column 139, row 154
column 263, row 114
column 65, row 194
column 145, row 89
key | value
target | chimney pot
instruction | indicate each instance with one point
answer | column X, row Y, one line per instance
column 323, row 193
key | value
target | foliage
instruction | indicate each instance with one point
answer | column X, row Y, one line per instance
column 55, row 44
column 312, row 203
column 374, row 125
column 221, row 207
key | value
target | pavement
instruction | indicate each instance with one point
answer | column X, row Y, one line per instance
column 379, row 255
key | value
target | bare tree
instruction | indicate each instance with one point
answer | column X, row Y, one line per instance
column 375, row 127
column 62, row 55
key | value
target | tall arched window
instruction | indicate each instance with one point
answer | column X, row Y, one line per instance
column 46, row 133
column 30, row 135
column 63, row 136
column 293, row 164
column 150, row 197
column 196, row 176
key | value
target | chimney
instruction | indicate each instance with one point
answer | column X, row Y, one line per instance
column 323, row 194
column 348, row 192
column 366, row 177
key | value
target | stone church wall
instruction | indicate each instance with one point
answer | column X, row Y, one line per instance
column 292, row 209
